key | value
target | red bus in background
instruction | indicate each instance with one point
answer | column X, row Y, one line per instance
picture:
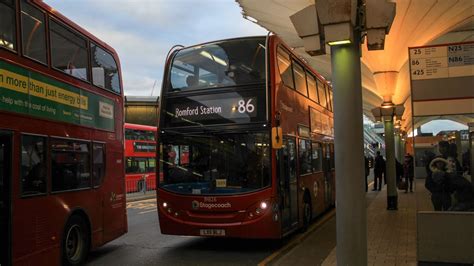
column 226, row 107
column 140, row 157
column 62, row 189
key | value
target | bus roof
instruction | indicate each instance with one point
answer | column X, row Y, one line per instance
column 225, row 40
column 140, row 127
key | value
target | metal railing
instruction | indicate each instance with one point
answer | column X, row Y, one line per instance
column 143, row 184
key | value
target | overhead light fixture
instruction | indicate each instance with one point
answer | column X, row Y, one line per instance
column 389, row 104
column 213, row 57
column 339, row 42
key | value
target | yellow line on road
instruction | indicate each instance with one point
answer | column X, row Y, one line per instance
column 298, row 239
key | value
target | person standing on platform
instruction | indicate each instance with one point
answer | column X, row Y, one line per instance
column 408, row 172
column 436, row 180
column 379, row 170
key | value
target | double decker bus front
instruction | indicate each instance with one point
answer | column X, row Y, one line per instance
column 215, row 154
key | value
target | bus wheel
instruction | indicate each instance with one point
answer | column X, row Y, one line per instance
column 307, row 214
column 75, row 244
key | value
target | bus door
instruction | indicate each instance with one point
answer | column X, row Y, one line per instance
column 327, row 175
column 288, row 187
column 5, row 196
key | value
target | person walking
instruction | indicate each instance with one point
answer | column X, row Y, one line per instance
column 379, row 170
column 408, row 172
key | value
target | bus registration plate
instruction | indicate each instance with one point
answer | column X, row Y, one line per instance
column 212, row 232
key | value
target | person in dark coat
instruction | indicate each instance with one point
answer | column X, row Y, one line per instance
column 436, row 181
column 398, row 171
column 408, row 171
column 379, row 170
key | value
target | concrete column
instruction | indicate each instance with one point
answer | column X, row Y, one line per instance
column 351, row 212
column 392, row 195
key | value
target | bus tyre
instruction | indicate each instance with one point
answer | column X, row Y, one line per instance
column 75, row 244
column 307, row 214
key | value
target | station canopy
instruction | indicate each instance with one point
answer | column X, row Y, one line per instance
column 385, row 73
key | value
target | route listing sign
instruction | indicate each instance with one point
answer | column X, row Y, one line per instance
column 446, row 61
column 441, row 78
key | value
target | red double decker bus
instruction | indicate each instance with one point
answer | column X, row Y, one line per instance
column 62, row 188
column 140, row 157
column 245, row 139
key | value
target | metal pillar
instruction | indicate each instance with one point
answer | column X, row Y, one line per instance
column 351, row 212
column 392, row 195
column 398, row 151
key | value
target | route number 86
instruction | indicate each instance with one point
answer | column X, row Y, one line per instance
column 246, row 106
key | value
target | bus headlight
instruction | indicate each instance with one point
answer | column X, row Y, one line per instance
column 263, row 205
column 165, row 205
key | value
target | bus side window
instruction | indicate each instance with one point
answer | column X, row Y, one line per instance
column 33, row 165
column 70, row 166
column 321, row 93
column 304, row 156
column 8, row 25
column 98, row 165
column 284, row 66
column 300, row 79
column 316, row 157
column 33, row 32
column 68, row 51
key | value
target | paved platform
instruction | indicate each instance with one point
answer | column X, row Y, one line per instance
column 391, row 238
column 131, row 197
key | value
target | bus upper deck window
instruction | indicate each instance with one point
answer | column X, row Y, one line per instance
column 33, row 32
column 7, row 24
column 104, row 69
column 68, row 51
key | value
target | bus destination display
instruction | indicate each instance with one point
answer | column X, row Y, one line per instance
column 222, row 108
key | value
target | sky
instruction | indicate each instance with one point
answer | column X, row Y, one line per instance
column 143, row 31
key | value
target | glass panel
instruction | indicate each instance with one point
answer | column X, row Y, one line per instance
column 322, row 93
column 316, row 157
column 284, row 66
column 291, row 158
column 135, row 134
column 300, row 80
column 98, row 167
column 140, row 165
column 33, row 165
column 313, row 93
column 7, row 24
column 216, row 164
column 70, row 165
column 33, row 32
column 329, row 97
column 228, row 63
column 68, row 51
column 105, row 73
column 304, row 156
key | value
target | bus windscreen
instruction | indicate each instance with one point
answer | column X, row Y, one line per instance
column 219, row 64
column 215, row 163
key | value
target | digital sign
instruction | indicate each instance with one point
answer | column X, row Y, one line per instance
column 221, row 108
column 144, row 147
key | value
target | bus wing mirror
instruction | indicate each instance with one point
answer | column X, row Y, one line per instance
column 277, row 138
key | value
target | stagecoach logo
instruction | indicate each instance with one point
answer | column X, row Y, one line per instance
column 205, row 205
